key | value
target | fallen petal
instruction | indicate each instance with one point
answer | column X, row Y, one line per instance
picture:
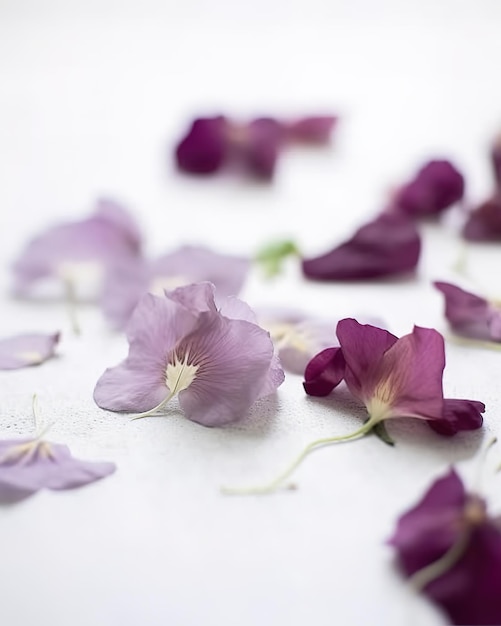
column 203, row 149
column 324, row 372
column 484, row 223
column 458, row 415
column 315, row 129
column 25, row 350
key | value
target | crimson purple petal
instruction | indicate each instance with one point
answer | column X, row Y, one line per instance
column 389, row 245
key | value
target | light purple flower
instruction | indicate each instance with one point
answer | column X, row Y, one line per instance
column 392, row 377
column 451, row 548
column 23, row 350
column 218, row 362
column 128, row 281
column 72, row 249
column 437, row 186
column 484, row 222
column 389, row 245
column 471, row 315
column 297, row 336
column 28, row 465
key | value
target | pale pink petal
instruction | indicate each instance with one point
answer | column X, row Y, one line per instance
column 24, row 350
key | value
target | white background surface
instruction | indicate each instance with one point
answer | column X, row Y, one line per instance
column 92, row 97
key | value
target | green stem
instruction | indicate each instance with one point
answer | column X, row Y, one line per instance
column 275, row 484
column 475, row 343
column 446, row 562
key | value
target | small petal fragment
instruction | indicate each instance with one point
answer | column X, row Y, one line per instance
column 437, row 186
column 457, row 416
column 387, row 246
column 314, row 130
column 28, row 465
column 204, row 148
column 25, row 350
column 324, row 372
column 484, row 223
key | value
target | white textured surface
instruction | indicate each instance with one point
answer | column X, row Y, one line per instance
column 92, row 94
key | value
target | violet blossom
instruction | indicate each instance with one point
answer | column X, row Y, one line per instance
column 450, row 547
column 71, row 251
column 128, row 281
column 471, row 315
column 24, row 350
column 437, row 186
column 217, row 361
column 28, row 465
column 218, row 142
column 387, row 246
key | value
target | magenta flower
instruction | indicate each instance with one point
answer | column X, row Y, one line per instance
column 471, row 315
column 218, row 362
column 484, row 223
column 71, row 250
column 437, row 186
column 387, row 246
column 297, row 336
column 127, row 282
column 451, row 548
column 23, row 350
column 215, row 143
column 392, row 377
column 28, row 465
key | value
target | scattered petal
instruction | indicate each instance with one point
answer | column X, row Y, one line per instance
column 180, row 344
column 314, row 130
column 471, row 315
column 437, row 186
column 25, row 350
column 324, row 372
column 496, row 161
column 127, row 282
column 264, row 141
column 452, row 549
column 28, row 465
column 458, row 415
column 72, row 249
column 387, row 246
column 484, row 223
column 204, row 148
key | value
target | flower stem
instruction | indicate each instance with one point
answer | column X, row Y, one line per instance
column 155, row 408
column 71, row 302
column 318, row 443
column 474, row 343
column 446, row 562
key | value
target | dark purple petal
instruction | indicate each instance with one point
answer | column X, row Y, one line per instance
column 466, row 312
column 436, row 187
column 24, row 350
column 387, row 246
column 315, row 129
column 484, row 223
column 496, row 161
column 470, row 591
column 430, row 528
column 264, row 138
column 27, row 466
column 458, row 415
column 363, row 348
column 203, row 149
column 324, row 372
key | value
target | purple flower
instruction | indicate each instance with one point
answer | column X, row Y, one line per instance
column 484, row 223
column 471, row 315
column 219, row 362
column 392, row 377
column 297, row 337
column 387, row 246
column 215, row 143
column 23, row 350
column 451, row 548
column 71, row 249
column 127, row 282
column 28, row 465
column 437, row 186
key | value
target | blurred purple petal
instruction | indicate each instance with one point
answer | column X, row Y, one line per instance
column 93, row 244
column 496, row 161
column 484, row 223
column 437, row 186
column 188, row 264
column 28, row 465
column 324, row 372
column 468, row 590
column 387, row 246
column 470, row 314
column 180, row 344
column 314, row 129
column 203, row 150
column 24, row 350
column 261, row 149
column 458, row 416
